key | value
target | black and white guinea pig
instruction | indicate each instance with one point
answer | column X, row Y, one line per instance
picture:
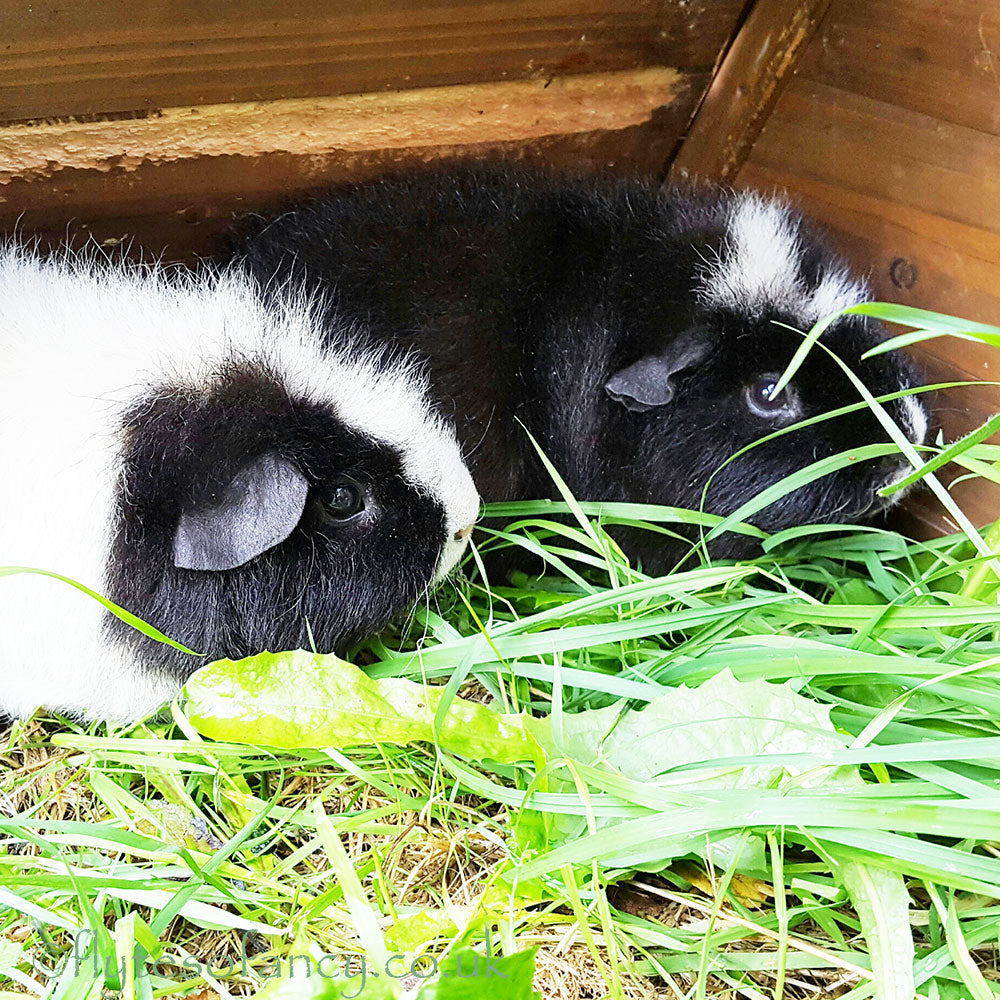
column 211, row 464
column 632, row 329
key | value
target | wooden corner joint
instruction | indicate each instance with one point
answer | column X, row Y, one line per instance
column 746, row 85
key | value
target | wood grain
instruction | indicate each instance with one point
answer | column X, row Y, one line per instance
column 906, row 195
column 95, row 57
column 172, row 182
column 315, row 127
column 938, row 58
column 745, row 88
column 898, row 156
column 917, row 200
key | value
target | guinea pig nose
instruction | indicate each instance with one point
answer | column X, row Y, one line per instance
column 464, row 533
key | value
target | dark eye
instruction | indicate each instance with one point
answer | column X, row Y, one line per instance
column 344, row 500
column 759, row 397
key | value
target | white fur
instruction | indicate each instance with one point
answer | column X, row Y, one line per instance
column 78, row 342
column 757, row 268
column 837, row 290
column 916, row 418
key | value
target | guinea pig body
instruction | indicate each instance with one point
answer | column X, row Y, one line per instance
column 633, row 330
column 211, row 464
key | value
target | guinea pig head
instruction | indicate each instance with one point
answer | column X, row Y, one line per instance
column 276, row 506
column 705, row 392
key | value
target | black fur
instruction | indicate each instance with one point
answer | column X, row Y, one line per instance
column 329, row 581
column 527, row 291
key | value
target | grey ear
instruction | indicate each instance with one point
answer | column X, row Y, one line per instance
column 259, row 508
column 649, row 382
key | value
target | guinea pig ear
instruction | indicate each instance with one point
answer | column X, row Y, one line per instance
column 649, row 382
column 259, row 508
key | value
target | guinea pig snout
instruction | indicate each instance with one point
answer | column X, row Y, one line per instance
column 452, row 552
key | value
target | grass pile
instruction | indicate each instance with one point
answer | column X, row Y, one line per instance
column 802, row 798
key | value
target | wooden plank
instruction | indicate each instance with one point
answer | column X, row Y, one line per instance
column 955, row 412
column 113, row 56
column 315, row 126
column 172, row 181
column 923, row 516
column 876, row 243
column 743, row 91
column 915, row 200
column 941, row 59
column 898, row 156
column 978, row 499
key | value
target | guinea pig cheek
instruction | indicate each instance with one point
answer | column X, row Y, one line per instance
column 914, row 419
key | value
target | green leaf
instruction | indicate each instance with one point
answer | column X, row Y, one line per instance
column 303, row 700
column 855, row 591
column 882, row 903
column 466, row 975
column 415, row 932
column 469, row 975
column 966, row 966
column 725, row 719
column 309, row 977
column 10, row 954
column 929, row 324
column 364, row 914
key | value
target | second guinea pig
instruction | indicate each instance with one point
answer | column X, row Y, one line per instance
column 234, row 474
column 633, row 330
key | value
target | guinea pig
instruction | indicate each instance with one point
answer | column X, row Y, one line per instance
column 237, row 474
column 636, row 331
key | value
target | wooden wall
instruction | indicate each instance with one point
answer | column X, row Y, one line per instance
column 889, row 131
column 123, row 120
column 100, row 56
column 156, row 121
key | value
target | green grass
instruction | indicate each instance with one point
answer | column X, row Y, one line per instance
column 218, row 859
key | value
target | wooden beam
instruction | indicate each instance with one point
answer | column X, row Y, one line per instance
column 759, row 61
column 94, row 57
column 334, row 126
column 170, row 182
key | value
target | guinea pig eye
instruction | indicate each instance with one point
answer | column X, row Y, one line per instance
column 760, row 398
column 344, row 499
